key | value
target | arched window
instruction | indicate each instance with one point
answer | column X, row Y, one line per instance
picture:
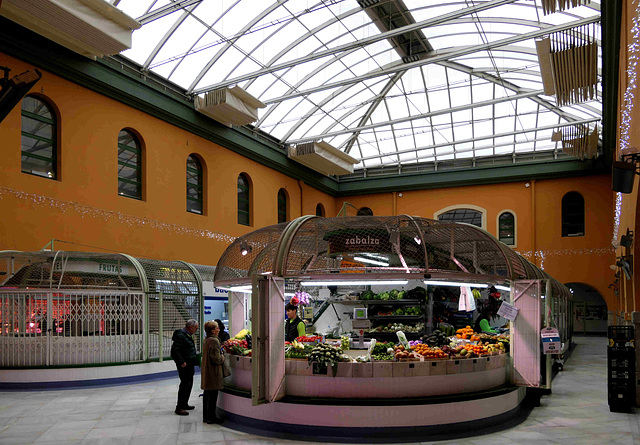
column 320, row 210
column 469, row 216
column 129, row 165
column 244, row 200
column 572, row 214
column 194, row 185
column 282, row 206
column 507, row 228
column 39, row 138
column 364, row 211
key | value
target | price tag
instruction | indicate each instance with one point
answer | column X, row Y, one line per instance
column 508, row 311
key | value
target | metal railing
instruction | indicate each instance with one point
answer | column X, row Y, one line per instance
column 71, row 327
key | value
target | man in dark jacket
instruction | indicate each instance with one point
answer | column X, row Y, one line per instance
column 183, row 352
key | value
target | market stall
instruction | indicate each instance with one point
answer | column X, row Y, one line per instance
column 434, row 376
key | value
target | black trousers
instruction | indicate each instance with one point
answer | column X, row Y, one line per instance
column 186, row 384
column 209, row 402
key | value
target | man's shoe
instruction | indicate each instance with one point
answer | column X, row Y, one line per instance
column 181, row 412
column 212, row 421
column 189, row 407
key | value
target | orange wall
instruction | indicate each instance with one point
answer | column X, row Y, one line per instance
column 83, row 206
column 583, row 259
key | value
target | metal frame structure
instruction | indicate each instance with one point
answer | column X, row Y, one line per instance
column 385, row 81
column 61, row 308
column 331, row 250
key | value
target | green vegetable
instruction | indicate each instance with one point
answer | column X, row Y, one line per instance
column 367, row 295
column 383, row 357
column 417, row 293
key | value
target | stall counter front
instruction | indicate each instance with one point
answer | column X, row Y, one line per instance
column 379, row 399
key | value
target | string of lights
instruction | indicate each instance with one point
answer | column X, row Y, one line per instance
column 633, row 50
column 106, row 215
column 616, row 220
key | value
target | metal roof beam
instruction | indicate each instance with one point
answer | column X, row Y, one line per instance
column 372, row 108
column 524, row 95
column 164, row 11
column 480, row 138
column 439, row 58
column 357, row 44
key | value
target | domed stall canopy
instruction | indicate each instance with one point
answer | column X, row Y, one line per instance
column 378, row 247
column 373, row 253
column 77, row 298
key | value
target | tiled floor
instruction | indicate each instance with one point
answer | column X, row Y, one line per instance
column 577, row 413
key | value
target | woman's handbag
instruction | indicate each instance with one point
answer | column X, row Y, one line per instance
column 226, row 371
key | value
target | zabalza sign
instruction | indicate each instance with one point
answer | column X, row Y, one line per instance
column 346, row 241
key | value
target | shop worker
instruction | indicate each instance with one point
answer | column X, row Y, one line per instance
column 183, row 352
column 294, row 327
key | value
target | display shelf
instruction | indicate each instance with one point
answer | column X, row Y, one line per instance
column 396, row 317
column 390, row 333
column 378, row 302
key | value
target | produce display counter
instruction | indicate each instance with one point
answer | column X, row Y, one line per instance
column 378, row 397
column 382, row 379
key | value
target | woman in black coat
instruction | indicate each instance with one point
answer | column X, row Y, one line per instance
column 222, row 335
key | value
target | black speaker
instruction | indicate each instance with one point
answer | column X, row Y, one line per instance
column 623, row 176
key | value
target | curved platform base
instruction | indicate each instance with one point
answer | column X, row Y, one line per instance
column 376, row 420
column 72, row 377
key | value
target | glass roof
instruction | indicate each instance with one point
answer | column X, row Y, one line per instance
column 388, row 82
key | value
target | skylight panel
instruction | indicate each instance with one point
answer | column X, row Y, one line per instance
column 358, row 62
column 446, row 156
column 439, row 100
column 465, row 154
column 547, row 118
column 504, row 149
column 135, row 8
column 236, row 16
column 484, row 127
column 396, row 107
column 463, row 116
column 181, row 40
column 420, row 11
column 526, row 121
column 145, row 39
column 407, row 158
column 276, row 87
column 310, row 125
column 482, row 90
column 524, row 147
column 280, row 119
column 226, row 67
column 318, row 14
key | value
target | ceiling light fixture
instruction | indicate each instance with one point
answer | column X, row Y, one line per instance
column 242, row 289
column 355, row 283
column 455, row 284
column 371, row 261
column 245, row 248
